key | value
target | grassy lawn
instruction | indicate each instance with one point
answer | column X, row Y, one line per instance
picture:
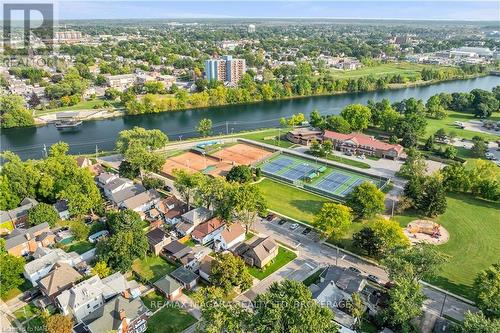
column 80, row 246
column 403, row 68
column 35, row 325
column 248, row 235
column 153, row 300
column 26, row 312
column 284, row 257
column 350, row 162
column 170, row 319
column 313, row 278
column 269, row 137
column 474, row 233
column 190, row 242
column 291, row 201
column 152, row 268
column 17, row 291
column 447, row 123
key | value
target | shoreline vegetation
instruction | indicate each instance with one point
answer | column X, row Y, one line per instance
column 116, row 110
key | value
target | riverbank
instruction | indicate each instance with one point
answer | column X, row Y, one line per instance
column 45, row 118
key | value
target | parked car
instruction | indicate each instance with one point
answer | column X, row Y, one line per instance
column 348, row 153
column 354, row 270
column 294, row 226
column 281, row 222
column 306, row 231
column 270, row 217
column 490, row 156
column 373, row 278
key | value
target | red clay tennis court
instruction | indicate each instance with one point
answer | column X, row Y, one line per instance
column 242, row 153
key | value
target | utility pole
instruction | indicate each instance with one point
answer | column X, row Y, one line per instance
column 227, row 128
column 96, row 152
column 442, row 307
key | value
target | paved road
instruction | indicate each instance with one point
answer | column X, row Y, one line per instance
column 315, row 254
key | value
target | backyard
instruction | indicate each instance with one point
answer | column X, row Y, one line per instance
column 152, row 268
column 284, row 257
column 80, row 246
column 474, row 233
column 170, row 319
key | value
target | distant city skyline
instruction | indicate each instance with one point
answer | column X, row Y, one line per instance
column 386, row 10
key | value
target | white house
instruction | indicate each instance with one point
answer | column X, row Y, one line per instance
column 205, row 232
column 46, row 259
column 229, row 237
column 116, row 185
column 142, row 202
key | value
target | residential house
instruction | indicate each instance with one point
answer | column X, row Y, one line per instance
column 191, row 219
column 335, row 289
column 21, row 241
column 169, row 287
column 61, row 206
column 17, row 217
column 171, row 209
column 119, row 197
column 176, row 251
column 116, row 185
column 122, row 314
column 362, row 144
column 83, row 162
column 185, row 277
column 258, row 251
column 120, row 82
column 142, row 201
column 106, row 177
column 157, row 239
column 45, row 260
column 205, row 269
column 304, row 136
column 205, row 232
column 229, row 237
column 61, row 278
column 90, row 295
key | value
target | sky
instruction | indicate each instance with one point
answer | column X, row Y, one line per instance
column 402, row 9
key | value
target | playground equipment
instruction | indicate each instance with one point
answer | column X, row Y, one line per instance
column 425, row 227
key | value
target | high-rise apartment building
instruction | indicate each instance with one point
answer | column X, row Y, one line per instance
column 251, row 28
column 225, row 69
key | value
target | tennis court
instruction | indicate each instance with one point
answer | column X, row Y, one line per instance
column 315, row 177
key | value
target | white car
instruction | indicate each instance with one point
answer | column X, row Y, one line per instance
column 490, row 156
column 294, row 226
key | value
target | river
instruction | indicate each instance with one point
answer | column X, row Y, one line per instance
column 28, row 142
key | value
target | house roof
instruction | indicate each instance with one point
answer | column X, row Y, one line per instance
column 304, row 132
column 59, row 278
column 363, row 140
column 206, row 265
column 177, row 249
column 126, row 193
column 171, row 207
column 20, row 236
column 156, row 236
column 167, row 285
column 50, row 258
column 61, row 206
column 141, row 199
column 262, row 247
column 197, row 215
column 231, row 232
column 106, row 177
column 107, row 317
column 116, row 183
column 344, row 279
column 206, row 228
column 18, row 212
column 184, row 275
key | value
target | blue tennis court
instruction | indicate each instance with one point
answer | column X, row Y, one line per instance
column 352, row 186
column 298, row 171
column 277, row 164
column 332, row 182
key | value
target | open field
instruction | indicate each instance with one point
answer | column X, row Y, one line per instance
column 83, row 105
column 474, row 244
column 284, row 257
column 403, row 68
column 447, row 123
column 269, row 136
column 152, row 268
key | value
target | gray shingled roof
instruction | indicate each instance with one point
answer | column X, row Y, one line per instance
column 167, row 285
column 18, row 236
column 184, row 275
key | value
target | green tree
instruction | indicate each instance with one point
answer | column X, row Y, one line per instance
column 43, row 213
column 13, row 113
column 248, row 202
column 356, row 308
column 59, row 323
column 414, row 165
column 143, row 158
column 79, row 229
column 422, row 261
column 204, row 127
column 12, row 269
column 380, row 237
column 366, row 200
column 338, row 124
column 478, row 323
column 186, row 184
column 479, row 147
column 101, row 269
column 357, row 115
column 405, row 303
column 487, row 289
column 333, row 220
column 151, row 182
column 431, row 199
column 240, row 173
column 219, row 315
column 288, row 307
column 229, row 271
column 151, row 139
column 315, row 119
